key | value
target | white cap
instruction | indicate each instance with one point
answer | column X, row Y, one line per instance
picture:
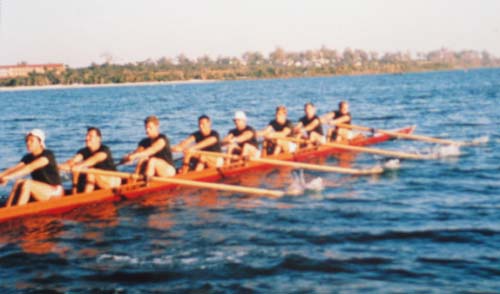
column 240, row 115
column 39, row 134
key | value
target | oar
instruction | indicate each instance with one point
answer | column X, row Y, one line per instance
column 14, row 193
column 191, row 183
column 406, row 136
column 389, row 153
column 295, row 164
column 377, row 151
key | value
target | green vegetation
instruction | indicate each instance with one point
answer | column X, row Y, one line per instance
column 254, row 65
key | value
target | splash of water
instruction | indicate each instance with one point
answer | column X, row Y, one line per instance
column 480, row 140
column 299, row 184
column 446, row 151
column 392, row 164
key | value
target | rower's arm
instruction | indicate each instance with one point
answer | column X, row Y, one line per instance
column 265, row 131
column 327, row 117
column 205, row 143
column 340, row 120
column 93, row 160
column 71, row 162
column 285, row 132
column 182, row 145
column 247, row 135
column 312, row 125
column 25, row 169
column 131, row 156
column 297, row 128
column 146, row 152
column 227, row 139
column 281, row 134
column 10, row 170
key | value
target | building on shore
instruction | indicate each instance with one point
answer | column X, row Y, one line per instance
column 23, row 70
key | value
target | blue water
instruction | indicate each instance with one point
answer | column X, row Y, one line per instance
column 431, row 226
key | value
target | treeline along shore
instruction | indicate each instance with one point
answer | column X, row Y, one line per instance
column 255, row 65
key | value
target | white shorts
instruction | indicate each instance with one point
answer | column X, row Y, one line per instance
column 56, row 191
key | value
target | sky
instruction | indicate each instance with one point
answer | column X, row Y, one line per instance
column 78, row 32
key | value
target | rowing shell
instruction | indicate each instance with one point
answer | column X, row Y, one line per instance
column 141, row 188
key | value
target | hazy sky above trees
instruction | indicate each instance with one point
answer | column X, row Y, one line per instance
column 78, row 32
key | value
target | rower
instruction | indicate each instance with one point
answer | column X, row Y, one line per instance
column 205, row 139
column 309, row 126
column 278, row 128
column 94, row 155
column 153, row 152
column 340, row 116
column 241, row 140
column 45, row 181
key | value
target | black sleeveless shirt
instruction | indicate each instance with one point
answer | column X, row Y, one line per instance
column 252, row 141
column 305, row 122
column 107, row 164
column 198, row 136
column 339, row 115
column 48, row 174
column 165, row 153
column 278, row 128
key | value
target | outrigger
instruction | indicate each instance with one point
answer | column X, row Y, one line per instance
column 139, row 186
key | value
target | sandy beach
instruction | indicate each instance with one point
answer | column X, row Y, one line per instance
column 76, row 86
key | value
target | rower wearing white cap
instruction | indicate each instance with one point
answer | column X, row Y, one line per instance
column 242, row 140
column 41, row 164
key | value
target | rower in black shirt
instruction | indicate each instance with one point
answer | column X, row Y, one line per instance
column 340, row 116
column 45, row 181
column 94, row 155
column 278, row 128
column 242, row 140
column 153, row 152
column 205, row 139
column 309, row 126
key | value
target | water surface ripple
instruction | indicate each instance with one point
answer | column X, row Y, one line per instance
column 430, row 226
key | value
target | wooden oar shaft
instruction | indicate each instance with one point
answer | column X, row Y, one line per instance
column 215, row 154
column 396, row 154
column 303, row 165
column 403, row 135
column 224, row 187
column 317, row 167
column 191, row 183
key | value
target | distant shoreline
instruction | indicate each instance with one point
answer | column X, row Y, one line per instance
column 199, row 81
column 109, row 85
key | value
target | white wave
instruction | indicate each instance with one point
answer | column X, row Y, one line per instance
column 315, row 185
column 299, row 184
column 118, row 258
column 164, row 260
column 480, row 140
column 446, row 151
column 392, row 164
column 189, row 260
